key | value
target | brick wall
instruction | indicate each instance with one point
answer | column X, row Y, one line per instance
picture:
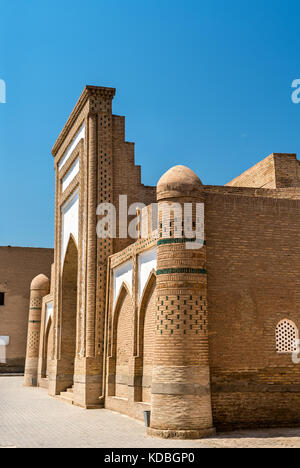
column 253, row 283
column 253, row 249
column 127, row 176
column 148, row 343
column 18, row 267
column 124, row 345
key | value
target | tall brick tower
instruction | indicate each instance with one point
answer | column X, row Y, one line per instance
column 39, row 288
column 181, row 399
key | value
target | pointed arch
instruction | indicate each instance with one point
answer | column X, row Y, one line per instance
column 151, row 282
column 48, row 313
column 122, row 274
column 146, row 335
column 69, row 221
column 124, row 290
column 68, row 305
column 71, row 246
column 47, row 348
column 48, row 327
column 122, row 340
column 147, row 262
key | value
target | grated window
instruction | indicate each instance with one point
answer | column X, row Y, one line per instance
column 286, row 336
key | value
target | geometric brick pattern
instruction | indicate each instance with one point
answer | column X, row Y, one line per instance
column 104, row 195
column 182, row 314
column 36, row 302
column 33, row 340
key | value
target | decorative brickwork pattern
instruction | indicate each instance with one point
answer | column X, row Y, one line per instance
column 148, row 343
column 33, row 341
column 105, row 195
column 286, row 336
column 182, row 315
column 181, row 358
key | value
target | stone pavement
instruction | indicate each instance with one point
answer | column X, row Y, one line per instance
column 30, row 419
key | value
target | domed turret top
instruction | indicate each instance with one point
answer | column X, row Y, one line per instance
column 178, row 181
column 40, row 282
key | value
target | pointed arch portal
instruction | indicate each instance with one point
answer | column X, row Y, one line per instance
column 69, row 309
column 47, row 349
column 147, row 321
column 122, row 340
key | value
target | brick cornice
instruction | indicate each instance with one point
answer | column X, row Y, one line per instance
column 86, row 94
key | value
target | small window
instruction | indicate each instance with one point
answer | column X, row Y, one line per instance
column 286, row 337
column 2, row 299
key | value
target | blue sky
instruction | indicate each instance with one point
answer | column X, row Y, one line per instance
column 202, row 83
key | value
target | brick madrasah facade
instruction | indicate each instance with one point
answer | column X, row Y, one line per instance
column 201, row 338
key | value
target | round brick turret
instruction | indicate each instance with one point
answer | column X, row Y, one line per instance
column 181, row 398
column 39, row 288
column 177, row 182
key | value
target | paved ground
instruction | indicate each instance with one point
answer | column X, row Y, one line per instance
column 30, row 419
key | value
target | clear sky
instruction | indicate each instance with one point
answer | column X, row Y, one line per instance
column 202, row 83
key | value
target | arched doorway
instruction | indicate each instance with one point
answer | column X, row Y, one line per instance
column 122, row 341
column 147, row 323
column 47, row 349
column 69, row 311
